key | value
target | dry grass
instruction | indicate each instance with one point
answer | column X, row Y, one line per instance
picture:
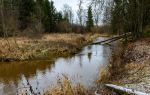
column 65, row 87
column 114, row 70
column 24, row 48
column 137, row 59
column 130, row 67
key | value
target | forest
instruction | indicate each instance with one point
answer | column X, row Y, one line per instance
column 42, row 45
column 41, row 16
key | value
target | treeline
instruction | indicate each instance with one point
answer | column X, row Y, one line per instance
column 38, row 16
column 29, row 15
column 128, row 16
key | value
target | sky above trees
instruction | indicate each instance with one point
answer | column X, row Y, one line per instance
column 72, row 3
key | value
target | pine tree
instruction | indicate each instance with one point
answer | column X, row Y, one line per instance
column 40, row 10
column 58, row 17
column 52, row 17
column 90, row 22
column 49, row 16
column 26, row 9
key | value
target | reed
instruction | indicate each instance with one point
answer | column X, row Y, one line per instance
column 24, row 48
column 65, row 87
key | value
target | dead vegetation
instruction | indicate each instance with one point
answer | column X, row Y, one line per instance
column 24, row 48
column 65, row 87
column 113, row 71
column 130, row 67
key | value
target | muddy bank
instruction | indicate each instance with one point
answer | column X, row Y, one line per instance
column 23, row 48
column 137, row 60
column 130, row 67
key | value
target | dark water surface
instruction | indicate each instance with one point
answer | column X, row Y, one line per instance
column 82, row 67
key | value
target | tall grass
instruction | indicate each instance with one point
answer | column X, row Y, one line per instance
column 65, row 87
column 115, row 69
column 24, row 48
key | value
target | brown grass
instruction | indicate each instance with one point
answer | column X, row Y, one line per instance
column 114, row 70
column 130, row 67
column 65, row 87
column 24, row 48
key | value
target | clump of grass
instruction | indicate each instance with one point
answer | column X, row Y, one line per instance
column 65, row 87
column 103, row 74
column 115, row 69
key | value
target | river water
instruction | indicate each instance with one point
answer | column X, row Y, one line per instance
column 82, row 67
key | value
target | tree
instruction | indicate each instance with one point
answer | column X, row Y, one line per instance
column 48, row 16
column 51, row 14
column 68, row 13
column 107, row 14
column 26, row 10
column 40, row 13
column 129, row 15
column 8, row 17
column 90, row 22
column 58, row 17
column 98, row 7
column 80, row 12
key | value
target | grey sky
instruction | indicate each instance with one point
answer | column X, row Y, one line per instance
column 59, row 4
column 72, row 3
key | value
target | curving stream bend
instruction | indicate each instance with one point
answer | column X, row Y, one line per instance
column 82, row 67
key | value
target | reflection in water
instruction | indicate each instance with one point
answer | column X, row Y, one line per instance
column 37, row 76
column 14, row 71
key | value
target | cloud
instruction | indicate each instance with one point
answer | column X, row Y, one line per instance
column 72, row 3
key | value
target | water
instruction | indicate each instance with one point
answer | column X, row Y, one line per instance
column 82, row 67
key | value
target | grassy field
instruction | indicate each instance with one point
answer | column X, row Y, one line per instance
column 24, row 48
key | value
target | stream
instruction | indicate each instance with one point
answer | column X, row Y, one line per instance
column 40, row 75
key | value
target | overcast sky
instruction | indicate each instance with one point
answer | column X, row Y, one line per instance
column 72, row 3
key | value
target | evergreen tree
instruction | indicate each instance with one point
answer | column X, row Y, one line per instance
column 49, row 16
column 116, row 20
column 90, row 22
column 58, row 17
column 52, row 17
column 40, row 10
column 26, row 9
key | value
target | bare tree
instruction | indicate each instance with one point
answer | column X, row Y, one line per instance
column 68, row 13
column 80, row 12
column 98, row 8
column 108, row 6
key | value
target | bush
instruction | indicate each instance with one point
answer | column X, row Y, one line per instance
column 147, row 31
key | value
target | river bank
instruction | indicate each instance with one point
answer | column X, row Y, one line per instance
column 74, row 75
column 130, row 67
column 24, row 48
